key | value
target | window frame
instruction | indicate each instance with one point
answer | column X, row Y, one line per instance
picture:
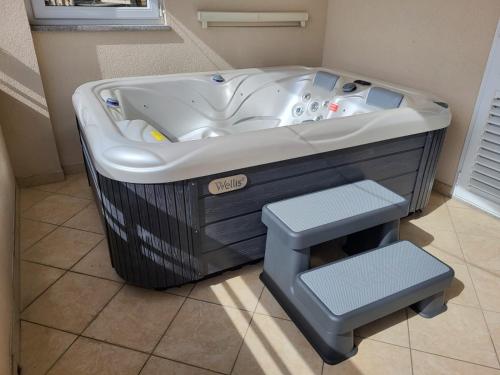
column 41, row 14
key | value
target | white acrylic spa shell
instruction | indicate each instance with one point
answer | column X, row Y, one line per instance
column 169, row 128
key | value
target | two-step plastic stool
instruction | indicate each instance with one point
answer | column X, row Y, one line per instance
column 327, row 303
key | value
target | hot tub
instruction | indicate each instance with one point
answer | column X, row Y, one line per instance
column 182, row 164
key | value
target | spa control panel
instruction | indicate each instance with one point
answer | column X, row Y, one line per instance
column 332, row 97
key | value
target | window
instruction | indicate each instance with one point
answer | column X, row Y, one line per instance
column 121, row 12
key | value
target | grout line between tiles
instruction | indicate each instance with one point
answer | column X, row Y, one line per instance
column 57, row 226
column 103, row 307
column 74, row 264
column 91, row 321
column 180, row 362
column 203, row 368
column 220, row 304
column 150, row 354
column 65, row 272
column 474, row 286
column 185, row 298
column 112, row 344
column 83, row 230
column 43, row 292
column 57, row 191
column 60, row 356
column 45, row 235
column 27, row 208
column 246, row 331
column 409, row 338
column 380, row 341
column 57, row 329
column 272, row 316
column 426, row 352
column 162, row 335
column 455, row 359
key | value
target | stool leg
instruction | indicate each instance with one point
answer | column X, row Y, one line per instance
column 431, row 306
column 389, row 233
column 340, row 348
column 381, row 235
column 282, row 264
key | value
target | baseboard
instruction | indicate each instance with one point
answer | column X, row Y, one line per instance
column 443, row 188
column 40, row 179
column 74, row 168
column 16, row 275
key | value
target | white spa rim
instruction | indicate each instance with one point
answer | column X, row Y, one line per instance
column 177, row 127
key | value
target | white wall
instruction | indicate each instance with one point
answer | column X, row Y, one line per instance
column 438, row 46
column 68, row 59
column 23, row 109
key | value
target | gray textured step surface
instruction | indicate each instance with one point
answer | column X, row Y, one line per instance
column 358, row 281
column 333, row 205
column 314, row 218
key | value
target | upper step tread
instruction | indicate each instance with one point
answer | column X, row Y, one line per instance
column 360, row 280
column 333, row 205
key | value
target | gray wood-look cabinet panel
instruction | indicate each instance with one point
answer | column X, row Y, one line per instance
column 162, row 235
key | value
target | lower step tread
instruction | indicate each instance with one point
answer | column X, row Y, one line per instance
column 352, row 283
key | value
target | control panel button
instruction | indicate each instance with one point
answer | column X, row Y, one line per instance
column 349, row 87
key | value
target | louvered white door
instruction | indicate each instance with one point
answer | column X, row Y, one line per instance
column 479, row 178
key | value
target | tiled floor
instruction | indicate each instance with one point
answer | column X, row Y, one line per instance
column 80, row 318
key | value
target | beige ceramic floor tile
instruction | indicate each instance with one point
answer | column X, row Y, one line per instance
column 136, row 318
column 487, row 284
column 55, row 186
column 86, row 357
column 269, row 306
column 276, row 346
column 72, row 302
column 56, row 209
column 30, row 197
column 432, row 218
column 459, row 333
column 97, row 263
column 32, row 231
column 493, row 323
column 428, row 364
column 475, row 222
column 205, row 335
column 437, row 199
column 35, row 279
column 41, row 346
column 481, row 251
column 77, row 186
column 63, row 247
column 374, row 358
column 88, row 219
column 240, row 288
column 182, row 290
column 69, row 180
column 160, row 366
column 443, row 244
column 462, row 289
column 392, row 329
column 453, row 202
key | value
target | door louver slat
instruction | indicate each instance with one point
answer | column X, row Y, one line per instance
column 485, row 174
